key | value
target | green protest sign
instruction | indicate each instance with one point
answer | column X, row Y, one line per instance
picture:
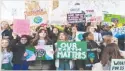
column 112, row 17
column 71, row 50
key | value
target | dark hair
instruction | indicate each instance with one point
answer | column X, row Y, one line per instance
column 66, row 36
column 37, row 37
column 55, row 28
column 111, row 51
column 27, row 37
column 85, row 35
column 8, row 48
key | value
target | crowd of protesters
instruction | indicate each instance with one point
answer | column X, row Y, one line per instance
column 99, row 39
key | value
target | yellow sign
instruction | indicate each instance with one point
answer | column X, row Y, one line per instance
column 33, row 8
column 34, row 12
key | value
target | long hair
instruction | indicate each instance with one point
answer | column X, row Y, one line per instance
column 37, row 37
column 8, row 28
column 111, row 51
column 66, row 36
column 89, row 27
column 107, row 39
column 8, row 48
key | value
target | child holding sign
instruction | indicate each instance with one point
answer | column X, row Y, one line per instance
column 63, row 64
column 92, row 52
column 41, row 39
column 18, row 49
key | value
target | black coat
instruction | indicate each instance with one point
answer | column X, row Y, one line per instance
column 18, row 50
column 7, row 33
column 91, row 45
column 52, row 36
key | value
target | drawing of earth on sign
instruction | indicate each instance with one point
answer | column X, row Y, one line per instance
column 91, row 56
column 40, row 52
column 80, row 36
column 38, row 20
column 44, row 54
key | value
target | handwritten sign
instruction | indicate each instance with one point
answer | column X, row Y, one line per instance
column 95, row 19
column 76, row 18
column 118, row 32
column 44, row 52
column 34, row 13
column 118, row 65
column 112, row 18
column 21, row 27
column 40, row 19
column 89, row 14
column 71, row 50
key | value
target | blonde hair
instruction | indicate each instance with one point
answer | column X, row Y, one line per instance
column 89, row 27
column 107, row 39
column 114, row 40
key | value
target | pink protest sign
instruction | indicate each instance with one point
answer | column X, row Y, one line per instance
column 96, row 19
column 21, row 27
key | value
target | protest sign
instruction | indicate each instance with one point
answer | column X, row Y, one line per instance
column 71, row 50
column 118, row 32
column 59, row 27
column 30, row 50
column 95, row 19
column 112, row 18
column 55, row 4
column 34, row 13
column 44, row 52
column 74, row 18
column 117, row 65
column 21, row 27
column 79, row 36
column 89, row 14
column 31, row 55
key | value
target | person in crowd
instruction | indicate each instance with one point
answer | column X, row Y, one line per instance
column 81, row 26
column 97, row 35
column 6, row 30
column 92, row 53
column 42, row 39
column 18, row 48
column 74, row 31
column 121, row 37
column 7, row 55
column 87, row 25
column 53, row 34
column 110, row 52
column 63, row 64
column 68, row 29
column 106, row 40
column 116, row 23
column 106, row 30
